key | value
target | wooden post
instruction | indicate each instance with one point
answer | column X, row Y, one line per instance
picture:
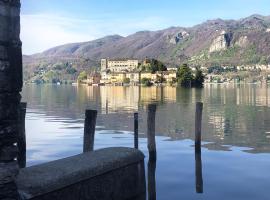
column 151, row 142
column 136, row 137
column 198, row 167
column 89, row 130
column 151, row 175
column 198, row 138
column 22, row 138
column 198, row 123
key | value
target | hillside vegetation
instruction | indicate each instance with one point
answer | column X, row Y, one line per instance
column 214, row 42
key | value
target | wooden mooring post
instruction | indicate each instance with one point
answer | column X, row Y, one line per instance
column 151, row 142
column 198, row 160
column 136, row 136
column 151, row 177
column 198, row 170
column 89, row 130
column 21, row 137
column 198, row 123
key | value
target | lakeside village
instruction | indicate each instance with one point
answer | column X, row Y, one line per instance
column 121, row 72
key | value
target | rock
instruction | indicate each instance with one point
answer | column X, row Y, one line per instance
column 242, row 41
column 175, row 39
column 221, row 42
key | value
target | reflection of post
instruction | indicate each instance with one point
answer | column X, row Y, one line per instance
column 151, row 142
column 198, row 160
column 198, row 123
column 136, row 139
column 151, row 176
column 89, row 130
column 199, row 178
column 21, row 138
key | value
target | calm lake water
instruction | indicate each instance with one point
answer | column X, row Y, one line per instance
column 235, row 157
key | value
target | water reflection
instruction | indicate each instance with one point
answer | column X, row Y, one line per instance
column 235, row 133
column 151, row 175
column 198, row 167
column 236, row 115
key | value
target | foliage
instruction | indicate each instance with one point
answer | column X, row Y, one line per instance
column 263, row 60
column 199, row 78
column 153, row 66
column 146, row 82
column 185, row 78
column 126, row 80
column 250, row 55
column 51, row 77
column 82, row 76
column 160, row 79
column 173, row 81
column 220, row 70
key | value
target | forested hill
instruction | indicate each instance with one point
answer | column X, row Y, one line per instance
column 214, row 42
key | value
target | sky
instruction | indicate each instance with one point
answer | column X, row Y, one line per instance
column 49, row 23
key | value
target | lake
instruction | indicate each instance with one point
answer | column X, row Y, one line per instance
column 235, row 157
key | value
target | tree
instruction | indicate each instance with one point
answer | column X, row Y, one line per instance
column 153, row 66
column 126, row 80
column 160, row 79
column 199, row 78
column 184, row 76
column 146, row 81
column 82, row 76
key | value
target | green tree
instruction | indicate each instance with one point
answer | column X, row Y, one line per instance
column 82, row 76
column 146, row 82
column 160, row 79
column 199, row 78
column 51, row 77
column 185, row 76
column 154, row 66
column 126, row 80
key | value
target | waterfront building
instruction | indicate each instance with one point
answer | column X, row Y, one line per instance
column 134, row 77
column 169, row 76
column 94, row 78
column 119, row 65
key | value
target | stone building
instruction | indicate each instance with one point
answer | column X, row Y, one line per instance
column 94, row 78
column 119, row 65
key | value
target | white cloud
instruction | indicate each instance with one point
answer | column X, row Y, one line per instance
column 40, row 32
column 43, row 31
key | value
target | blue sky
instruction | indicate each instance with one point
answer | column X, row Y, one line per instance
column 48, row 23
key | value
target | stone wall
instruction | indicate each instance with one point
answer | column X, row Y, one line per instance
column 112, row 173
column 10, row 87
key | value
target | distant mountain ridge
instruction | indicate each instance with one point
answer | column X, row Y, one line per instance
column 214, row 42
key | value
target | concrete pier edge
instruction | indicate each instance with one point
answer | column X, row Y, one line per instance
column 111, row 173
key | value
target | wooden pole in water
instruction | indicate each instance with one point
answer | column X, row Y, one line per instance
column 151, row 175
column 136, row 137
column 198, row 160
column 198, row 123
column 151, row 142
column 21, row 137
column 89, row 130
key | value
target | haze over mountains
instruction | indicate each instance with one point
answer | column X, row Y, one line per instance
column 214, row 42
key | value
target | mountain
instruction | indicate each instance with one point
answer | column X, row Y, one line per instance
column 214, row 42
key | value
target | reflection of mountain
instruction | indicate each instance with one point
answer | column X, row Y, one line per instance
column 235, row 115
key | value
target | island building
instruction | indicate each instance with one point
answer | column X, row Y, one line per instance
column 122, row 71
column 119, row 65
